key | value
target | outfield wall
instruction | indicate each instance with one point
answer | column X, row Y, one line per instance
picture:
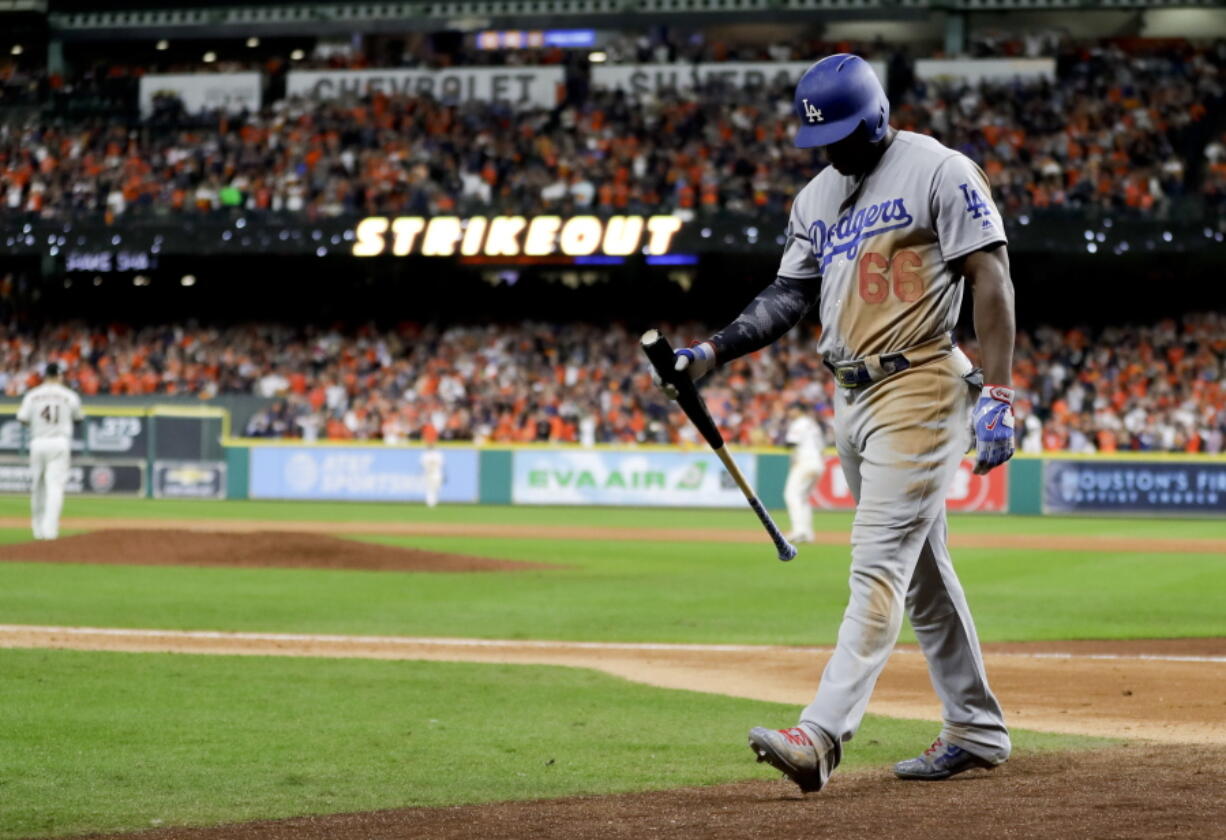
column 651, row 476
column 158, row 451
column 658, row 476
column 178, row 451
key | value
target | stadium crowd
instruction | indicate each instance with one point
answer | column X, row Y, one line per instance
column 1153, row 388
column 1117, row 131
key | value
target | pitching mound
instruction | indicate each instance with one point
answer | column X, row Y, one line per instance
column 256, row 550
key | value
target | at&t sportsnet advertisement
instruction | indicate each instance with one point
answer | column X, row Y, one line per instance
column 358, row 474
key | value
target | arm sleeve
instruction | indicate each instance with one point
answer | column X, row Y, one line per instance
column 966, row 217
column 23, row 413
column 779, row 306
column 77, row 414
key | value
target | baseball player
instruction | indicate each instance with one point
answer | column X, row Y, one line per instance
column 432, row 470
column 887, row 238
column 49, row 410
column 804, row 438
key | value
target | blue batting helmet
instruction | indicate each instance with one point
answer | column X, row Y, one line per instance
column 835, row 96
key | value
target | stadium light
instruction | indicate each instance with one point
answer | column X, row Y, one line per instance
column 187, row 280
column 17, row 49
column 253, row 41
column 163, row 44
column 210, row 57
column 598, row 57
column 297, row 55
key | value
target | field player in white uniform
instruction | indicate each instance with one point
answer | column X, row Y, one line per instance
column 804, row 438
column 49, row 410
column 432, row 472
column 887, row 238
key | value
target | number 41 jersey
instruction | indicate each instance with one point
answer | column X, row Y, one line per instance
column 50, row 409
column 884, row 257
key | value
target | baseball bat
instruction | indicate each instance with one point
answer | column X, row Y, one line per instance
column 660, row 354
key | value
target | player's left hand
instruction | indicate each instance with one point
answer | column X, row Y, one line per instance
column 696, row 361
column 993, row 428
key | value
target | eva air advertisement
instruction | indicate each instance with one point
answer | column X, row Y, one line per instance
column 676, row 479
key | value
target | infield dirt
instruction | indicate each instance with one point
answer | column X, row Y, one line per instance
column 1128, row 793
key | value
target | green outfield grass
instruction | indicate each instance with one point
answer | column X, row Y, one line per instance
column 630, row 591
column 192, row 740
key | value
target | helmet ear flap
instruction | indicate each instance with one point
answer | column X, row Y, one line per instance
column 882, row 122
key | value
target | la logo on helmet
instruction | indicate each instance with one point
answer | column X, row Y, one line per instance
column 813, row 115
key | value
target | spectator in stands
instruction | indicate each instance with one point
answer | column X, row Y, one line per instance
column 1116, row 132
column 1117, row 389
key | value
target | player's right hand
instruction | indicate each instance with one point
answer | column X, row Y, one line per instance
column 696, row 361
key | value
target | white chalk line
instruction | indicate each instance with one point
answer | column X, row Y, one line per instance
column 433, row 641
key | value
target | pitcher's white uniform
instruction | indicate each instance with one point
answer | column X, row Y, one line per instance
column 882, row 249
column 49, row 411
column 432, row 471
column 805, row 438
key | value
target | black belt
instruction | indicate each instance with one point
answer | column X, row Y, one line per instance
column 856, row 374
column 859, row 373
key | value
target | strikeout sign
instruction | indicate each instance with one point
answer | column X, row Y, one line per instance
column 513, row 236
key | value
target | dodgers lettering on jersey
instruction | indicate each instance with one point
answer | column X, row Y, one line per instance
column 50, row 410
column 885, row 261
column 844, row 236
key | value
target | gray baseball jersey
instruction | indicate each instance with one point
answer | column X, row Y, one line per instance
column 884, row 258
column 882, row 248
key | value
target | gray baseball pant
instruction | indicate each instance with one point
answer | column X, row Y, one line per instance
column 900, row 441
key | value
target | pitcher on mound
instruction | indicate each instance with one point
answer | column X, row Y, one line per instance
column 49, row 410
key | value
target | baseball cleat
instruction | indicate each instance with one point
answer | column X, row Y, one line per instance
column 940, row 761
column 794, row 753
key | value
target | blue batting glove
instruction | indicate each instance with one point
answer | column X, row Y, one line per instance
column 697, row 361
column 993, row 428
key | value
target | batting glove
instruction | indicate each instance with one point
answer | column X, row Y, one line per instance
column 993, row 428
column 697, row 361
